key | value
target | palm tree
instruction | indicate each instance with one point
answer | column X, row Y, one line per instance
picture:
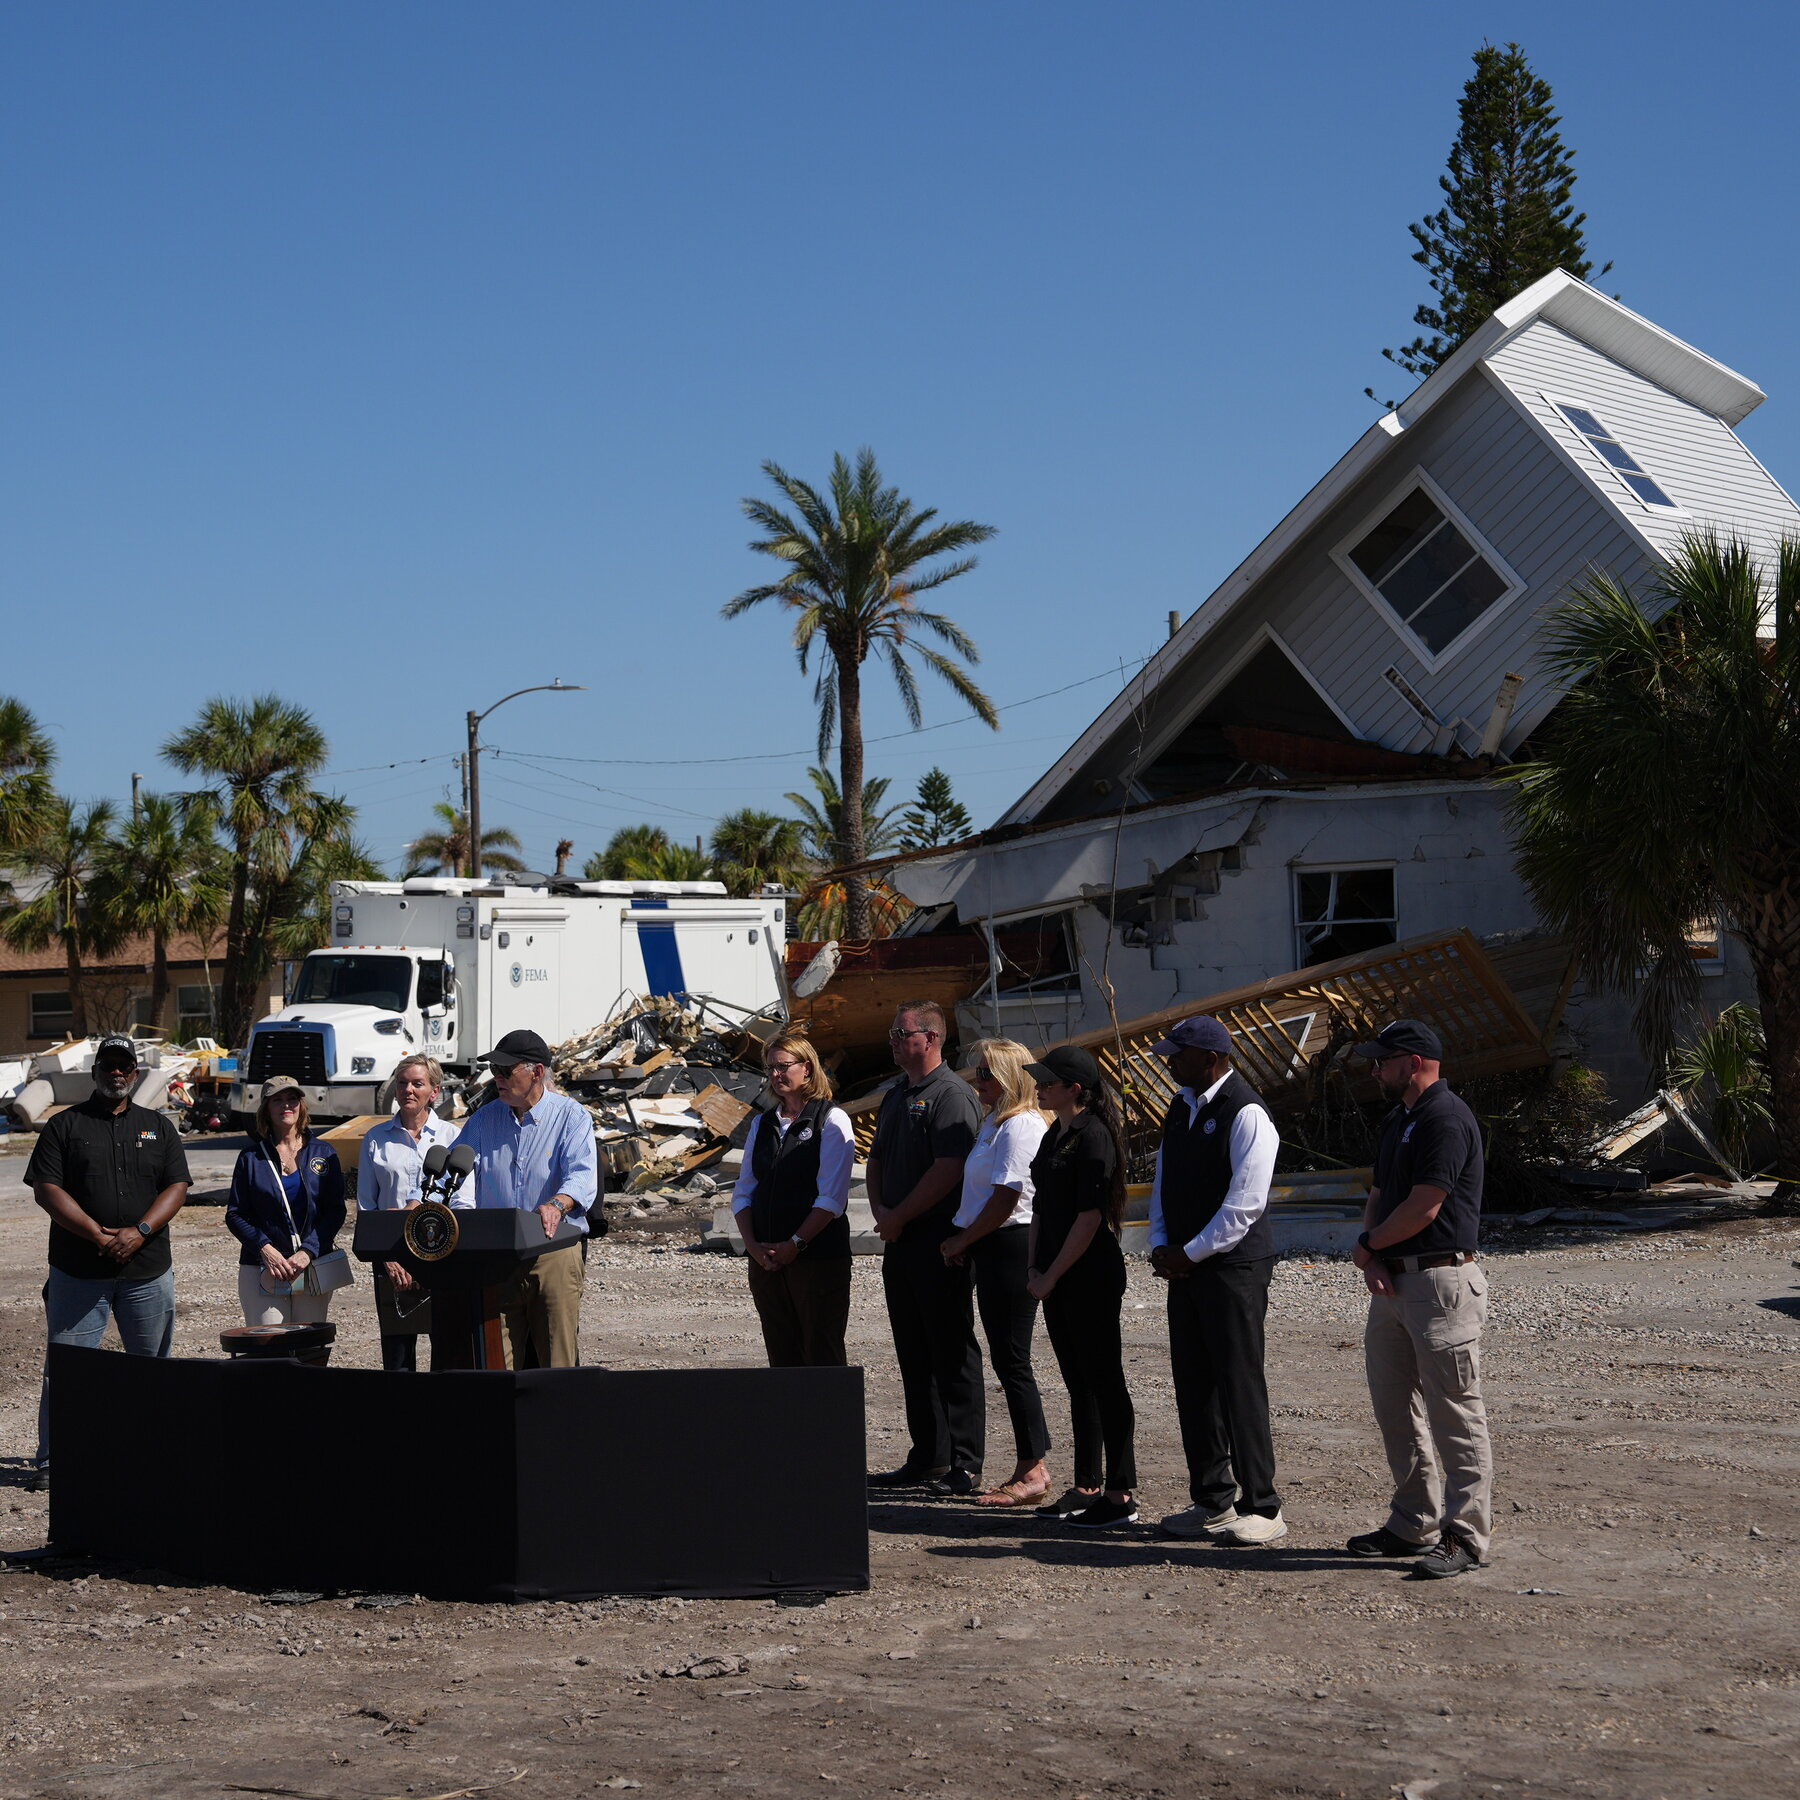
column 162, row 876
column 628, row 852
column 446, row 851
column 754, row 848
column 826, row 838
column 60, row 862
column 260, row 756
column 856, row 567
column 300, row 908
column 26, row 758
column 1668, row 789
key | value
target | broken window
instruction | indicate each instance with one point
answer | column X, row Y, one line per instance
column 1037, row 955
column 1424, row 567
column 1706, row 944
column 1614, row 454
column 1342, row 912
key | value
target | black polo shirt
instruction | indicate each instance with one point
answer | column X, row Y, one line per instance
column 1072, row 1173
column 1436, row 1141
column 918, row 1123
column 113, row 1165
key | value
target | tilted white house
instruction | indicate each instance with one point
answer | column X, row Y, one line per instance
column 1304, row 769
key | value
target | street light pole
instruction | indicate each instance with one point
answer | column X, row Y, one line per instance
column 472, row 769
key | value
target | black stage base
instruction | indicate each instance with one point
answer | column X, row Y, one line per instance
column 558, row 1484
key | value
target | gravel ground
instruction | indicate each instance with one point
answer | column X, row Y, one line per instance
column 1634, row 1636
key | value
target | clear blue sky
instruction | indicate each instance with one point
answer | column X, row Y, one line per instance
column 394, row 355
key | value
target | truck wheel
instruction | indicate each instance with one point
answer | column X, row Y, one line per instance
column 240, row 1121
column 384, row 1096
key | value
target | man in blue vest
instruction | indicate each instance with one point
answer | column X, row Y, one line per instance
column 1210, row 1241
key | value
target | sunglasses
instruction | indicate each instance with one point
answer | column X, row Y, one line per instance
column 984, row 1073
column 899, row 1037
column 284, row 1100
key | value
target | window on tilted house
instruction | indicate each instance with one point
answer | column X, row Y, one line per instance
column 1342, row 912
column 1419, row 561
column 195, row 1010
column 1614, row 454
column 52, row 1013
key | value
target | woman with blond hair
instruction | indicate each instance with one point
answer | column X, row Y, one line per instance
column 285, row 1209
column 789, row 1205
column 993, row 1236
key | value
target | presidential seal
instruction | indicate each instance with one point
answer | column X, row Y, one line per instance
column 431, row 1231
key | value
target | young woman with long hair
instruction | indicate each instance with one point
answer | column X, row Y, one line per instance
column 993, row 1237
column 1078, row 1272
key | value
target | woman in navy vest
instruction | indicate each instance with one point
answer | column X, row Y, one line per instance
column 1078, row 1272
column 789, row 1205
column 993, row 1236
column 286, row 1209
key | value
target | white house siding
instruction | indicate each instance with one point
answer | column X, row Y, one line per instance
column 1695, row 458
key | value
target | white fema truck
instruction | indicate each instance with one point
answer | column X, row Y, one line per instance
column 450, row 966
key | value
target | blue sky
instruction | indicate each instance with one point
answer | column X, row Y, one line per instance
column 391, row 356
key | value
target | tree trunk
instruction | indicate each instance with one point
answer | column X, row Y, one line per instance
column 850, row 788
column 78, row 1019
column 234, row 1002
column 1771, row 933
column 159, row 979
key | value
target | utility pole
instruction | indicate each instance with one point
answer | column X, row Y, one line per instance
column 1174, row 623
column 137, row 781
column 472, row 767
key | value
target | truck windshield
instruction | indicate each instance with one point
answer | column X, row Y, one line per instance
column 382, row 981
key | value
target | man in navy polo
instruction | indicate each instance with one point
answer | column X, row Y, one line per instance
column 1210, row 1241
column 1427, row 1305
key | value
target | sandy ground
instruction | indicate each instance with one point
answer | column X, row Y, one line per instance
column 1635, row 1635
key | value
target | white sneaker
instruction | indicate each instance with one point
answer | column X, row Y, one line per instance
column 1197, row 1522
column 1253, row 1528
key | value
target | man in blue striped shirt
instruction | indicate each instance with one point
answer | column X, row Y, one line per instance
column 534, row 1150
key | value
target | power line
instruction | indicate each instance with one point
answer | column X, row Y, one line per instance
column 678, row 762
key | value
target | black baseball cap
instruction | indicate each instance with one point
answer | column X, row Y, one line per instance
column 1066, row 1063
column 1405, row 1037
column 116, row 1049
column 518, row 1047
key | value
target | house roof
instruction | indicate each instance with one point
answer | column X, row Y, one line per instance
column 136, row 954
column 1561, row 300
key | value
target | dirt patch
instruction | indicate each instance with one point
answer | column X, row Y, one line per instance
column 1634, row 1637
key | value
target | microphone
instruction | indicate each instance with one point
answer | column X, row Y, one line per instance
column 458, row 1161
column 435, row 1158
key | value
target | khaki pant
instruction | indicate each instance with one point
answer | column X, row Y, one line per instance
column 1422, row 1348
column 804, row 1310
column 277, row 1309
column 542, row 1310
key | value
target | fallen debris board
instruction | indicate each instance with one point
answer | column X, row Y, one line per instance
column 721, row 1112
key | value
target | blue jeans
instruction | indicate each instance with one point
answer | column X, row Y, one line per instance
column 76, row 1311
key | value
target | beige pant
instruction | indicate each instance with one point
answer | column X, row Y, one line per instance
column 542, row 1310
column 277, row 1309
column 1422, row 1348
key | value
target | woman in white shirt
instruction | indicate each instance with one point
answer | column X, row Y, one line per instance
column 388, row 1176
column 789, row 1206
column 993, row 1233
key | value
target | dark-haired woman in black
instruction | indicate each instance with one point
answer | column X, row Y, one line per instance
column 1078, row 1273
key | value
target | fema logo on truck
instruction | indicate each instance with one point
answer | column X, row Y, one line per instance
column 521, row 974
column 518, row 974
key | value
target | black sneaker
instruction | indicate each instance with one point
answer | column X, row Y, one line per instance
column 1106, row 1512
column 957, row 1485
column 1450, row 1555
column 1072, row 1502
column 36, row 1482
column 1382, row 1543
column 905, row 1476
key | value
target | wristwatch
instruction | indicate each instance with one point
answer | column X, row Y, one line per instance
column 1364, row 1244
column 563, row 1205
column 146, row 1232
column 797, row 1241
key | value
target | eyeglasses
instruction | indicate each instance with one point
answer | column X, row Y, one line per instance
column 781, row 1068
column 897, row 1036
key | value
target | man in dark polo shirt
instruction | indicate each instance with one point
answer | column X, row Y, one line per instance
column 926, row 1128
column 111, row 1176
column 1427, row 1305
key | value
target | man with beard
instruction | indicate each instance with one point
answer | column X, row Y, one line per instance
column 1427, row 1305
column 111, row 1176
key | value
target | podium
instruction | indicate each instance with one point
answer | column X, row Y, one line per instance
column 466, row 1256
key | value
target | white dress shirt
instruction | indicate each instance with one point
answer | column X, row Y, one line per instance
column 837, row 1154
column 389, row 1172
column 1253, row 1144
column 1001, row 1158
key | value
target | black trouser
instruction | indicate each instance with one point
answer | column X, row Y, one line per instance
column 1216, row 1352
column 804, row 1310
column 400, row 1353
column 931, row 1313
column 1002, row 1265
column 1082, row 1317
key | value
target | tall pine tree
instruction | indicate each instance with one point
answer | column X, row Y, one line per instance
column 1510, row 217
column 936, row 816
